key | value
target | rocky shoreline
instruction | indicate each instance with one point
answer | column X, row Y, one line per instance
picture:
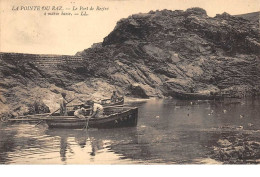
column 155, row 54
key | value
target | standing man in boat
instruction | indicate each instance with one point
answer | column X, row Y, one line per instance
column 97, row 110
column 114, row 97
column 63, row 102
column 36, row 106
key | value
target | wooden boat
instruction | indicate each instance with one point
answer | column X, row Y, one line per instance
column 195, row 96
column 113, row 118
column 105, row 102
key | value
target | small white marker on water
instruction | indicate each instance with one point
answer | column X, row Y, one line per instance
column 240, row 127
column 250, row 124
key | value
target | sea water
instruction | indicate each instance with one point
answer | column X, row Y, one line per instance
column 169, row 131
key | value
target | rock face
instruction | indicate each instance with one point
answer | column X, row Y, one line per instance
column 238, row 150
column 252, row 17
column 28, row 88
column 166, row 52
column 155, row 54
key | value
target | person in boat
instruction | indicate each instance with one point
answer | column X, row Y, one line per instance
column 36, row 107
column 63, row 102
column 97, row 110
column 80, row 113
column 114, row 97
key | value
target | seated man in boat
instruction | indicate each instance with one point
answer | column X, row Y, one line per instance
column 80, row 113
column 97, row 110
column 114, row 97
column 63, row 102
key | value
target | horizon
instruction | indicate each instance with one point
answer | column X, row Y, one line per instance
column 57, row 35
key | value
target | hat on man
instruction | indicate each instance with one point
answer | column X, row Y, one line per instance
column 63, row 94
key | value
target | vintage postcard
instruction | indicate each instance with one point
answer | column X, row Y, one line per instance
column 129, row 82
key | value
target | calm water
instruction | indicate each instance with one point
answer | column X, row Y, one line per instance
column 168, row 132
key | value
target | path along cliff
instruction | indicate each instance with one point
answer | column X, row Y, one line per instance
column 153, row 54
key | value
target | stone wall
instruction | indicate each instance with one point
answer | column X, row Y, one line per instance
column 43, row 60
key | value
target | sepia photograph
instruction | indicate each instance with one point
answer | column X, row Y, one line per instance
column 133, row 82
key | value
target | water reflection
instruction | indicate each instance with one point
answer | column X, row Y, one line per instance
column 6, row 143
column 92, row 142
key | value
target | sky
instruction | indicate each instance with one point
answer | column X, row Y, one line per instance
column 30, row 31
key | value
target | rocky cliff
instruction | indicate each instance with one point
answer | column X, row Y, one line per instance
column 24, row 83
column 156, row 54
column 166, row 52
column 253, row 17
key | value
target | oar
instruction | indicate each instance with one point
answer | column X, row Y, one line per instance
column 116, row 106
column 54, row 112
column 39, row 122
column 47, row 116
column 59, row 108
column 86, row 125
column 26, row 116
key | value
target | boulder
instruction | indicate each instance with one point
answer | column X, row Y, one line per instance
column 138, row 91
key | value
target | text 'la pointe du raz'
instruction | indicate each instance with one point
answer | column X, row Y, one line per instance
column 38, row 8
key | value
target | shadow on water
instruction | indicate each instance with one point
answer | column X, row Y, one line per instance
column 94, row 142
column 7, row 143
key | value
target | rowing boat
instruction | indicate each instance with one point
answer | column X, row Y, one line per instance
column 195, row 96
column 113, row 118
column 107, row 102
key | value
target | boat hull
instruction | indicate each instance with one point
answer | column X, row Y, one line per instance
column 120, row 101
column 195, row 96
column 125, row 119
